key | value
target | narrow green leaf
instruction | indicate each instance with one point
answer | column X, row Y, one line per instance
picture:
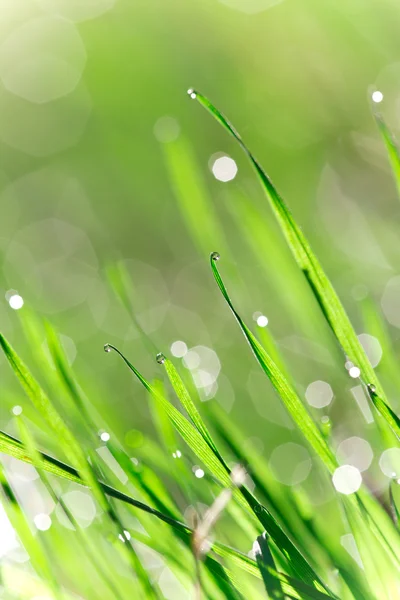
column 307, row 261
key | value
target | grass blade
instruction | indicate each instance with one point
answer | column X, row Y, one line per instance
column 265, row 563
column 322, row 288
column 282, row 386
column 187, row 402
column 200, row 447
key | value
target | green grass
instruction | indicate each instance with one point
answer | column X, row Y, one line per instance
column 141, row 505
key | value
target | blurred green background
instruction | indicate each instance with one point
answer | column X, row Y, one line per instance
column 104, row 158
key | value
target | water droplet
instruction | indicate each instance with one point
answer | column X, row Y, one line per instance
column 160, row 358
column 371, row 388
column 215, row 256
column 107, row 348
column 192, row 93
column 258, row 509
column 326, row 425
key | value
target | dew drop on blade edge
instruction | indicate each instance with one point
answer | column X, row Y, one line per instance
column 160, row 358
column 215, row 256
column 107, row 348
column 371, row 388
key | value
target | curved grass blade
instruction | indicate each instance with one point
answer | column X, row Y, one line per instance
column 321, row 286
column 200, row 447
column 282, row 386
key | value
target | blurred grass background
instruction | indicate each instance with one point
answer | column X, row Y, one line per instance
column 104, row 158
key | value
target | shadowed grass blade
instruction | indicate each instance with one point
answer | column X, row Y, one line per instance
column 322, row 288
column 265, row 563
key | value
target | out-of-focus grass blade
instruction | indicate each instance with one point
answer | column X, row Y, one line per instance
column 200, row 447
column 32, row 545
column 307, row 261
column 265, row 563
column 193, row 198
column 391, row 147
column 284, row 389
column 393, row 505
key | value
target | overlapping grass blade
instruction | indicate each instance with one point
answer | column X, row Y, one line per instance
column 324, row 292
column 13, row 447
column 200, row 447
column 190, row 407
column 75, row 453
column 96, row 559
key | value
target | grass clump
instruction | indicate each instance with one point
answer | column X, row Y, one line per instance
column 141, row 505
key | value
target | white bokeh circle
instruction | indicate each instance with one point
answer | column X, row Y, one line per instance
column 42, row 60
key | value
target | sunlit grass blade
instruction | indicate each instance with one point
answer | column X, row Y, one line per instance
column 200, row 447
column 322, row 288
column 96, row 558
column 57, row 468
column 33, row 545
column 391, row 147
column 284, row 389
column 75, row 453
